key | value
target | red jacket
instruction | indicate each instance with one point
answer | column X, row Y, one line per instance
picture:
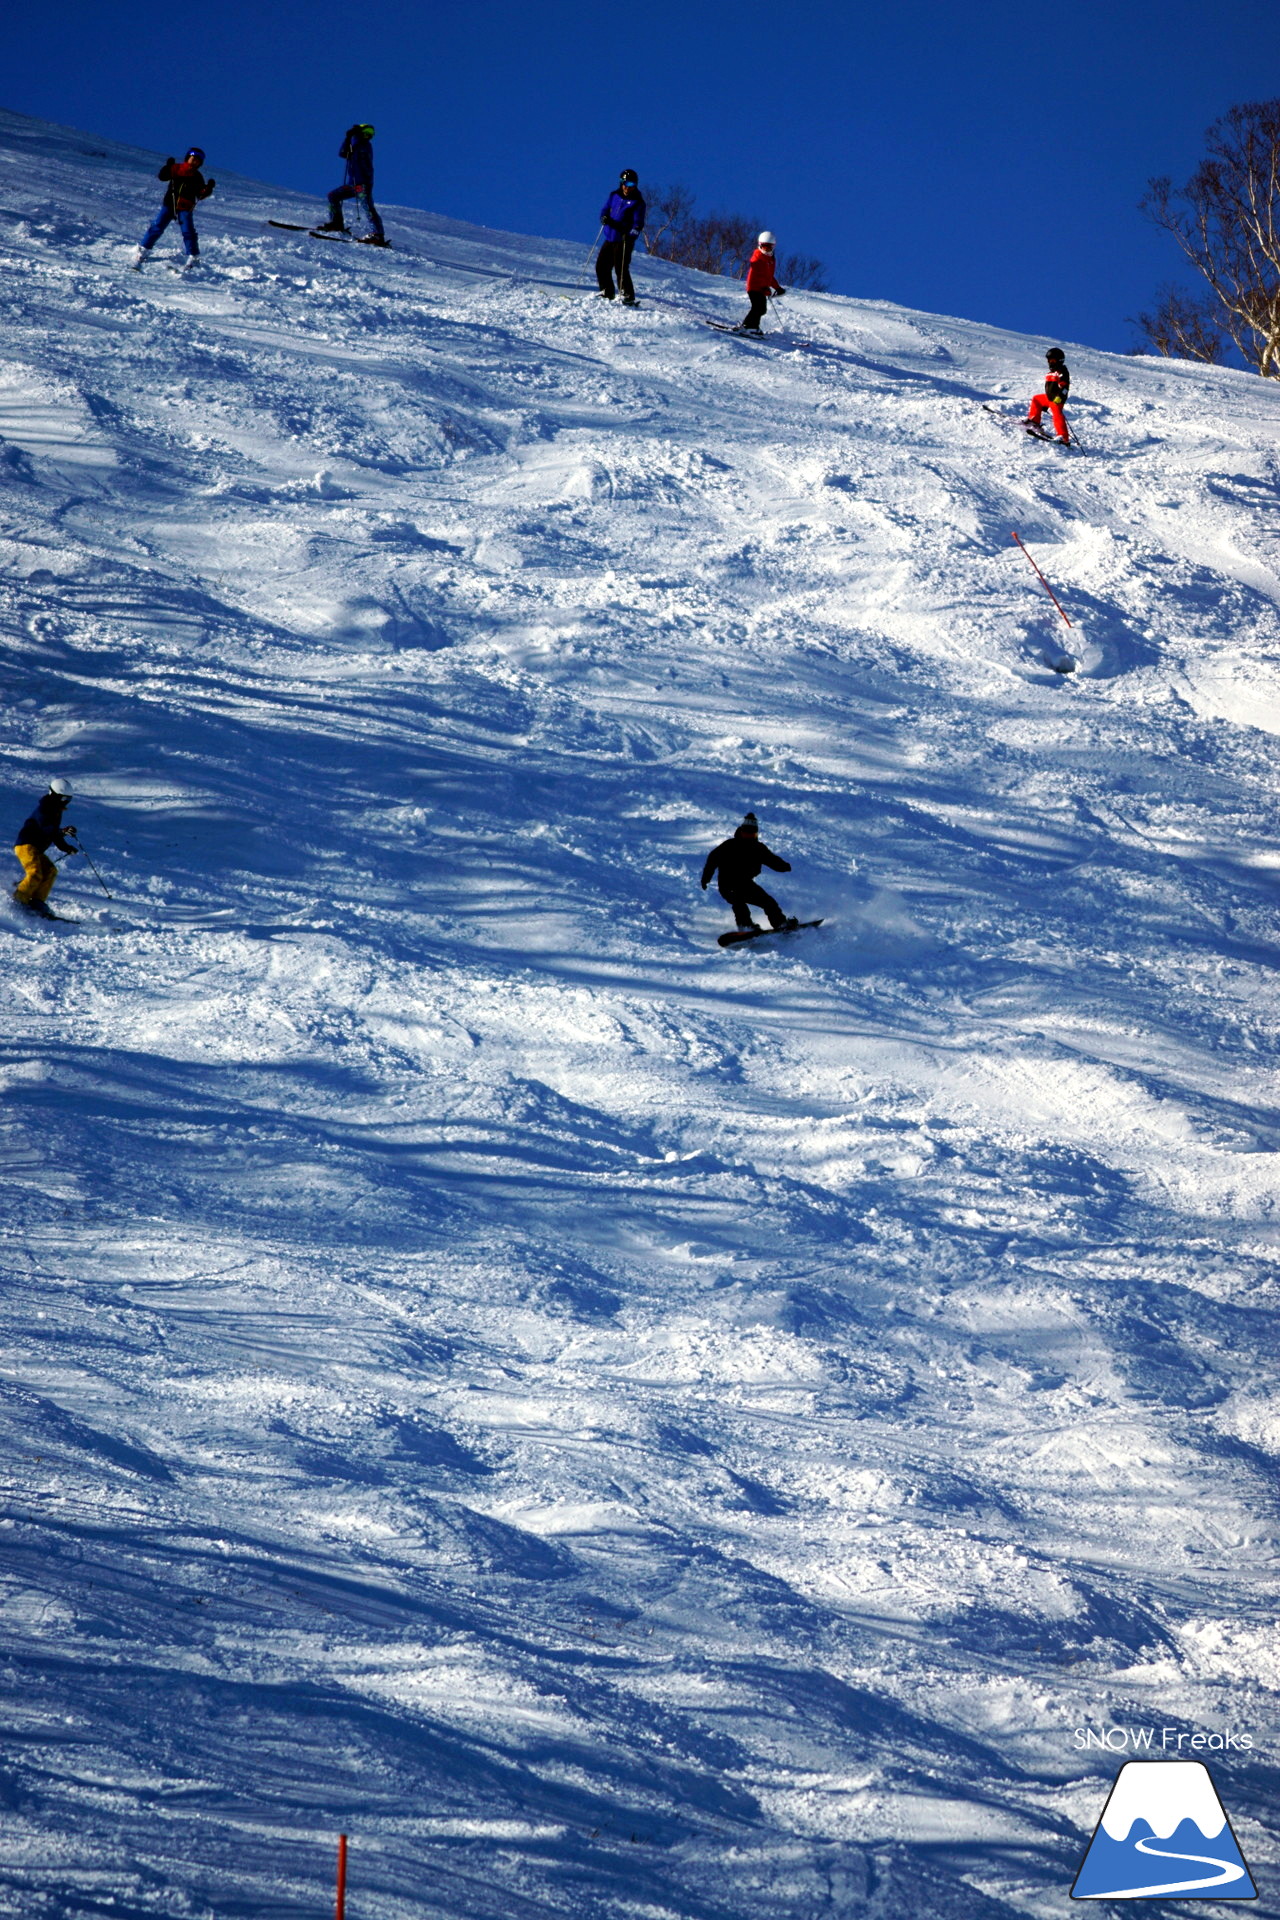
column 186, row 184
column 760, row 274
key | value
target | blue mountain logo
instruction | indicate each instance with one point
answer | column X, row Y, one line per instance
column 1163, row 1833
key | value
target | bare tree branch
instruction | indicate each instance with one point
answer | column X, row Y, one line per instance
column 718, row 243
column 1227, row 222
column 1182, row 328
column 802, row 270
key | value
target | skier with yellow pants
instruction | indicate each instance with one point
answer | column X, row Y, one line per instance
column 40, row 830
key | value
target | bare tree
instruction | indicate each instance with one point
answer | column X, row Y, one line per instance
column 718, row 243
column 669, row 210
column 1227, row 222
column 1182, row 328
column 802, row 270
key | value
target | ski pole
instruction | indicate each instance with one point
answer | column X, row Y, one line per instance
column 97, row 876
column 587, row 262
column 340, row 1905
column 1048, row 589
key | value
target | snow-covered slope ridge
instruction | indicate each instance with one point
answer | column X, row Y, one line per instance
column 619, row 1428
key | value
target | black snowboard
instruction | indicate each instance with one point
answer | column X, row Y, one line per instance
column 761, row 933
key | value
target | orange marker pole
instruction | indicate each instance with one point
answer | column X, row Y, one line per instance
column 1044, row 583
column 341, row 1907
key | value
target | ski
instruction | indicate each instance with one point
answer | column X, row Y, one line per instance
column 1034, row 433
column 760, row 933
column 776, row 338
column 317, row 233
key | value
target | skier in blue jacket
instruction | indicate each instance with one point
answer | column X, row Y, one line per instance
column 622, row 218
column 357, row 151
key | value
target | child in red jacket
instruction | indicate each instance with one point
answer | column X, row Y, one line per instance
column 1057, row 386
column 187, row 186
column 761, row 282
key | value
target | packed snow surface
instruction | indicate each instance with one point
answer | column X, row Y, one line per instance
column 621, row 1429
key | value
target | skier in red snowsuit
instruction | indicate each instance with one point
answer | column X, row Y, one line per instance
column 1056, row 388
column 762, row 282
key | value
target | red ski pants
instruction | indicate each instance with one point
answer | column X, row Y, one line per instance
column 1056, row 414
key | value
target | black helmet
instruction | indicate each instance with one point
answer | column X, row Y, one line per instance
column 630, row 178
column 1055, row 353
column 196, row 154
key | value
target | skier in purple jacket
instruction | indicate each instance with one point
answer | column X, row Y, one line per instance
column 622, row 218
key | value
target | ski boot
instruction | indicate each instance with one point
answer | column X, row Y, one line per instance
column 329, row 226
column 139, row 259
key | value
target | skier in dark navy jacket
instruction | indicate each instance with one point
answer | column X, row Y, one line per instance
column 738, row 861
column 39, row 831
column 622, row 219
column 357, row 151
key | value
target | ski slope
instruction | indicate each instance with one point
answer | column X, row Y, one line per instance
column 624, row 1430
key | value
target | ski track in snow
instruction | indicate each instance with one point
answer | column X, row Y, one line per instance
column 622, row 1429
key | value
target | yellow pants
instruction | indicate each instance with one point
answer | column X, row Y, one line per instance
column 39, row 874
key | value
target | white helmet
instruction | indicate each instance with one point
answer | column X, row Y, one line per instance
column 61, row 786
column 766, row 240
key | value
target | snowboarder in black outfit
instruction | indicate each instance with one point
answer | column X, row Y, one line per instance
column 622, row 222
column 738, row 861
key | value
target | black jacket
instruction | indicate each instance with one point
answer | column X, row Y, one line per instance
column 739, row 861
column 1057, row 383
column 43, row 828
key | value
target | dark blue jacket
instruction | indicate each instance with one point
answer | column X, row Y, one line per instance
column 358, row 154
column 620, row 216
column 44, row 827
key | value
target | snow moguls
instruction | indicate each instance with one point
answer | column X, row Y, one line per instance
column 613, row 1425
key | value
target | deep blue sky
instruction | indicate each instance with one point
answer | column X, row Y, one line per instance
column 982, row 161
